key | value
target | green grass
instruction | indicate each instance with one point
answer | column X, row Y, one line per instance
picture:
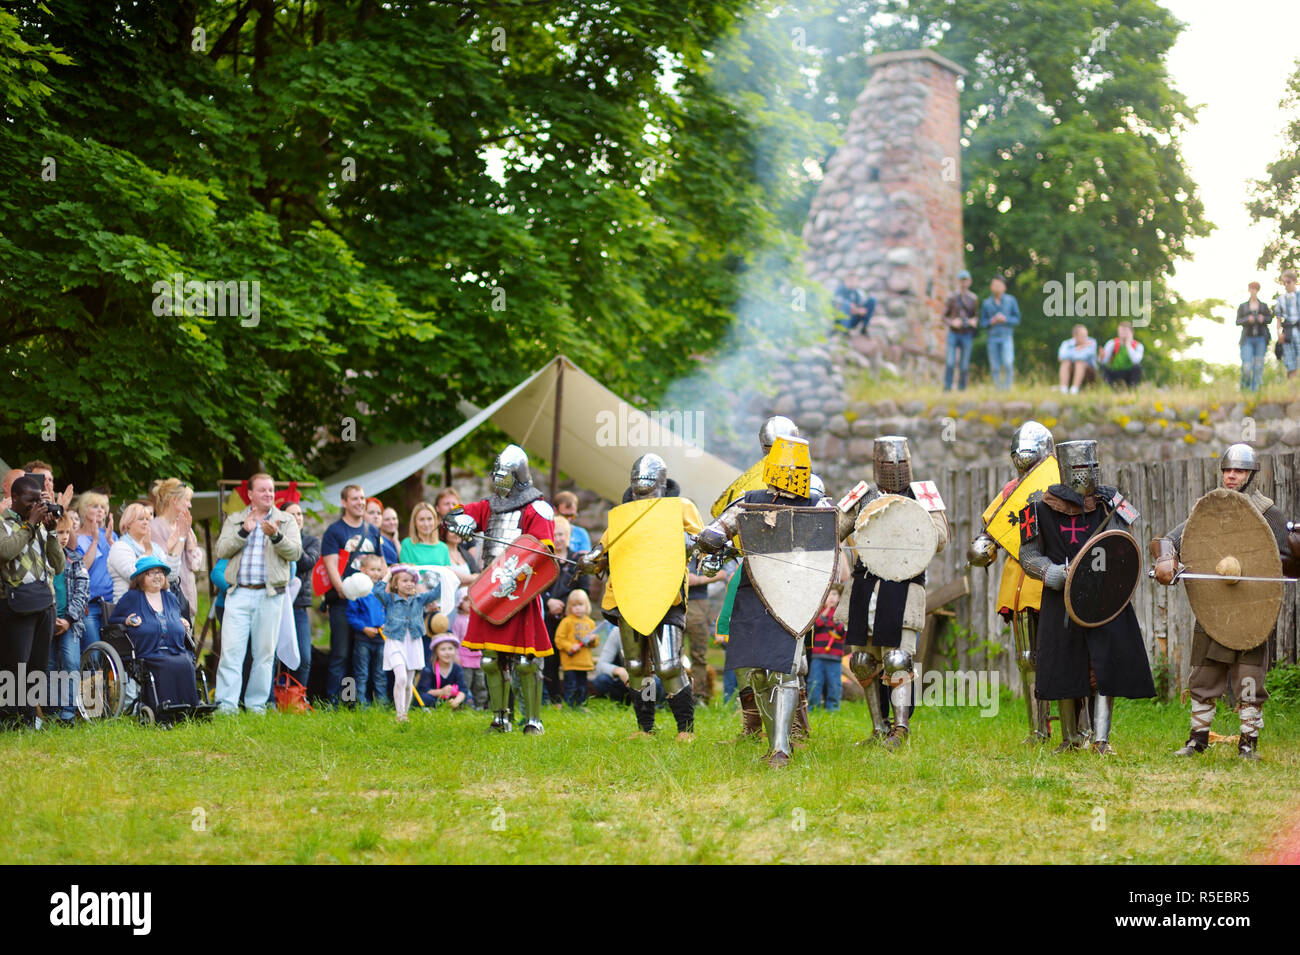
column 351, row 787
column 1098, row 398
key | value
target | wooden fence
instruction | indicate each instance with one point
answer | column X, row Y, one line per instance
column 1163, row 493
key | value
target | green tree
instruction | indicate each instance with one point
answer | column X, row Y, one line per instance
column 432, row 197
column 1276, row 198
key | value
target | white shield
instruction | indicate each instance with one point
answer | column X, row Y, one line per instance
column 895, row 538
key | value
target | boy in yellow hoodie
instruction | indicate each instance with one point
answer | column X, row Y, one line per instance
column 573, row 638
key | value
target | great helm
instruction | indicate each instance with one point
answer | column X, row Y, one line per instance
column 1031, row 444
column 1079, row 467
column 510, row 470
column 787, row 467
column 891, row 463
column 776, row 427
column 649, row 476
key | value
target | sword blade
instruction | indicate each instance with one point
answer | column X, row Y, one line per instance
column 527, row 550
column 1229, row 578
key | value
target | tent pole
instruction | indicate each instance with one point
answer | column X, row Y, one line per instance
column 555, row 433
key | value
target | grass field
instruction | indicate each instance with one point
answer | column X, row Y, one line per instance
column 354, row 787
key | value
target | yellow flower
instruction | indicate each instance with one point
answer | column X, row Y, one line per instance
column 1048, row 423
column 1189, row 438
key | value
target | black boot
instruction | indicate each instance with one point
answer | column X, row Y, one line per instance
column 645, row 713
column 683, row 706
column 1198, row 742
column 1248, row 746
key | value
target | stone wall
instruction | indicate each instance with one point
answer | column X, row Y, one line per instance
column 887, row 216
column 955, row 431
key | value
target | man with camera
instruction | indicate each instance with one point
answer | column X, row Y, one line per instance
column 30, row 557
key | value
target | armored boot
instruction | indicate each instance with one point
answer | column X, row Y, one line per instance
column 1070, row 736
column 799, row 727
column 900, row 698
column 1102, row 709
column 1248, row 746
column 879, row 725
column 496, row 674
column 784, row 704
column 1198, row 742
column 530, row 690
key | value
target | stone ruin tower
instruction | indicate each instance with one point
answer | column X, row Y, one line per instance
column 889, row 208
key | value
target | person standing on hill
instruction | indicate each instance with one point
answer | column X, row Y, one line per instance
column 1000, row 314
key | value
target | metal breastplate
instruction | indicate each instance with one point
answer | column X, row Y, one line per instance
column 503, row 525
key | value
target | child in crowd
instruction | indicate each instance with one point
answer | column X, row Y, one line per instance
column 573, row 638
column 404, row 633
column 366, row 618
column 827, row 654
column 71, row 601
column 443, row 680
column 471, row 661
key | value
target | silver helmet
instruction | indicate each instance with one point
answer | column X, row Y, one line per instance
column 1079, row 467
column 817, row 484
column 1241, row 457
column 649, row 476
column 891, row 462
column 510, row 470
column 1031, row 444
column 778, row 426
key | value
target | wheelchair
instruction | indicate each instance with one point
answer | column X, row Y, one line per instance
column 113, row 681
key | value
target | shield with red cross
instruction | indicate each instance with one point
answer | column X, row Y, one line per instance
column 928, row 495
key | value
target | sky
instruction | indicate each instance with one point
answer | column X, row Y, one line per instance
column 1233, row 60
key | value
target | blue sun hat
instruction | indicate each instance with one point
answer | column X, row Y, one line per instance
column 148, row 563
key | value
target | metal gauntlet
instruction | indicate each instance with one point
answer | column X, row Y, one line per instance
column 595, row 561
column 458, row 522
column 982, row 551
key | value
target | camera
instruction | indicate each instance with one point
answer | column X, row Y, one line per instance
column 54, row 510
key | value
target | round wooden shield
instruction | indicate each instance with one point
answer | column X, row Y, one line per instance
column 895, row 538
column 1242, row 614
column 1102, row 578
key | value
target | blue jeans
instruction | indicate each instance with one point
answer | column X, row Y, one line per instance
column 302, row 623
column 575, row 687
column 729, row 684
column 368, row 667
column 340, row 647
column 1253, row 351
column 65, row 657
column 958, row 342
column 252, row 619
column 93, row 623
column 1002, row 359
column 824, row 672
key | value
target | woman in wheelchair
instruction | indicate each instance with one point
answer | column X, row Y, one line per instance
column 152, row 617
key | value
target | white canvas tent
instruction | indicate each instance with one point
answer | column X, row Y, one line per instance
column 600, row 435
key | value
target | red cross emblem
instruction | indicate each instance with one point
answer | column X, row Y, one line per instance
column 1028, row 523
column 1074, row 531
column 928, row 495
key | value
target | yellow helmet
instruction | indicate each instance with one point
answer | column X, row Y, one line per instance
column 788, row 467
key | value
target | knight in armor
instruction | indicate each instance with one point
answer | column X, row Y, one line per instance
column 1020, row 596
column 1073, row 661
column 777, row 426
column 516, row 507
column 885, row 617
column 1216, row 668
column 767, row 658
column 654, row 522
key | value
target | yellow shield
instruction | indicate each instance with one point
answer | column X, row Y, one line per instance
column 751, row 480
column 647, row 559
column 1002, row 521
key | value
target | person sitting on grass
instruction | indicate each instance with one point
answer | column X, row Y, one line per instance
column 1121, row 358
column 443, row 681
column 403, row 634
column 1078, row 358
column 574, row 638
column 366, row 618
